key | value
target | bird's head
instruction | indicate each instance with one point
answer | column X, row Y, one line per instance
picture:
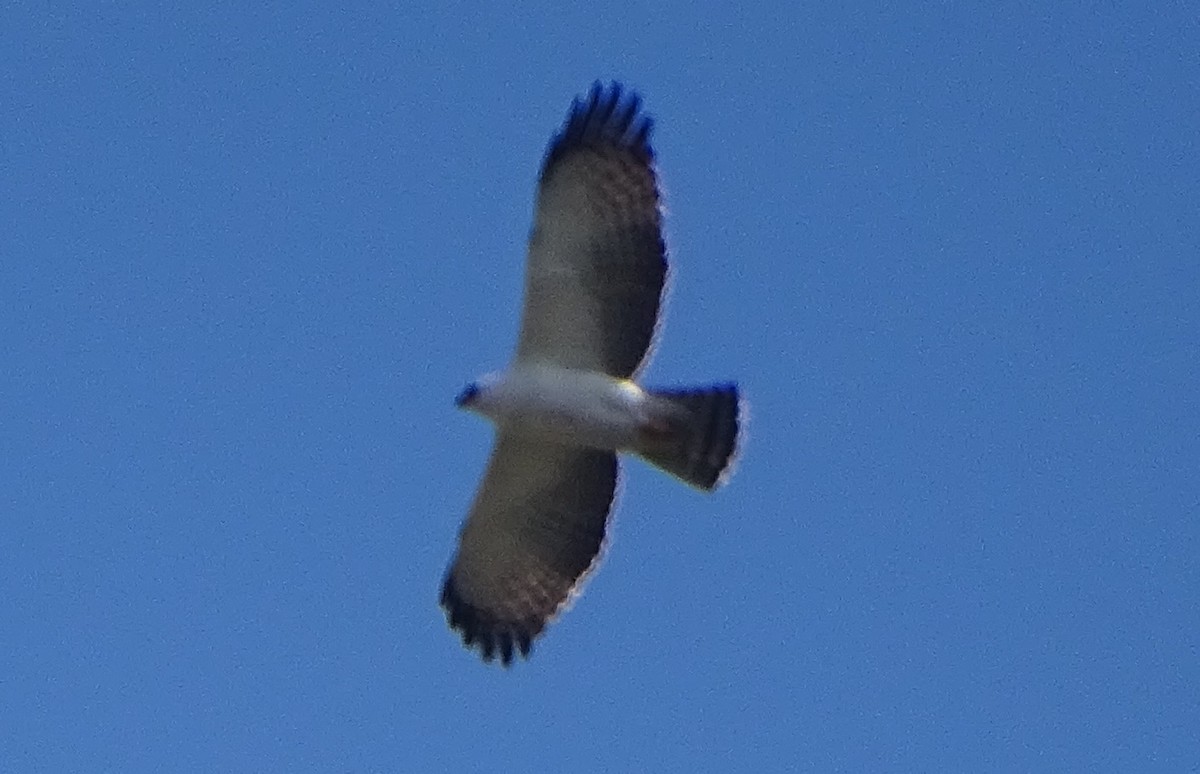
column 479, row 395
column 468, row 397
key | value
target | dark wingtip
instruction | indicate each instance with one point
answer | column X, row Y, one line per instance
column 480, row 630
column 608, row 115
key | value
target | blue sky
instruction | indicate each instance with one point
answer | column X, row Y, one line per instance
column 249, row 256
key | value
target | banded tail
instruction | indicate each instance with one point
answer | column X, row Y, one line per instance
column 698, row 435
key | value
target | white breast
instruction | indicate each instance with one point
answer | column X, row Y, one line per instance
column 580, row 407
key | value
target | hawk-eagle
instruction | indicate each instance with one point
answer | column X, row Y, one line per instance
column 569, row 401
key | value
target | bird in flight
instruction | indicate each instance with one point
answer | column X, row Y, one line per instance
column 569, row 401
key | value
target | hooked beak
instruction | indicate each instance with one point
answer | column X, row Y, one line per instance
column 467, row 396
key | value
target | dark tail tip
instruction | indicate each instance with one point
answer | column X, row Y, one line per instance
column 703, row 443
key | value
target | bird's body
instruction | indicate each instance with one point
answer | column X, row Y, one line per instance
column 566, row 405
column 569, row 402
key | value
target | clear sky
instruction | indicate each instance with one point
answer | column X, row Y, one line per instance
column 248, row 257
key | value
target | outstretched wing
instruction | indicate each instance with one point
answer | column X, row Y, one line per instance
column 597, row 263
column 533, row 534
